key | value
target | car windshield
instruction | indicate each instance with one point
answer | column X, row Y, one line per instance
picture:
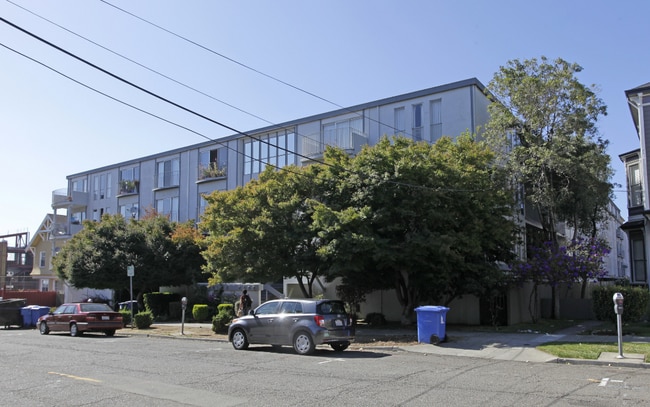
column 90, row 307
column 331, row 307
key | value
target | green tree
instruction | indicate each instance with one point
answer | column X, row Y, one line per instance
column 543, row 122
column 262, row 231
column 543, row 125
column 162, row 252
column 430, row 221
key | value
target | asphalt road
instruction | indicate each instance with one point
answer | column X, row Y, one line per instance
column 58, row 370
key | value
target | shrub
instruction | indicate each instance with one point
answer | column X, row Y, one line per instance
column 635, row 308
column 200, row 312
column 143, row 320
column 375, row 319
column 126, row 316
column 223, row 318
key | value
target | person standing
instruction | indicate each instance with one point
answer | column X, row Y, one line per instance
column 245, row 303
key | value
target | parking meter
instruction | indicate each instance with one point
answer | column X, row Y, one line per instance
column 618, row 303
column 618, row 309
column 184, row 307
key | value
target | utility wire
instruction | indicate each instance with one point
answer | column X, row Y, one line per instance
column 188, row 110
column 299, row 89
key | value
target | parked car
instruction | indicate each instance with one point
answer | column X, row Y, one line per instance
column 81, row 317
column 302, row 324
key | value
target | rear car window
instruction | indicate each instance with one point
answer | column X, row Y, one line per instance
column 331, row 307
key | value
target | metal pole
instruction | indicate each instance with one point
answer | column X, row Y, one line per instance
column 620, row 336
column 131, row 303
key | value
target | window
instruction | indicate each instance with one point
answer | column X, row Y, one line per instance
column 45, row 285
column 213, row 163
column 400, row 121
column 635, row 186
column 129, row 180
column 638, row 257
column 291, row 308
column 168, row 173
column 276, row 149
column 341, row 133
column 417, row 122
column 41, row 259
column 99, row 187
column 80, row 185
column 78, row 217
column 168, row 207
column 129, row 211
column 436, row 120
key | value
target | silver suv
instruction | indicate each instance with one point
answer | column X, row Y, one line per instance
column 302, row 324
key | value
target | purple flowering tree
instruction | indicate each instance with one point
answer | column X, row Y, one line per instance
column 581, row 261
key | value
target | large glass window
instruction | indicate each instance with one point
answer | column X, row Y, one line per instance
column 635, row 186
column 168, row 207
column 637, row 245
column 400, row 121
column 436, row 120
column 129, row 180
column 213, row 163
column 276, row 149
column 340, row 134
column 129, row 211
column 417, row 122
column 168, row 173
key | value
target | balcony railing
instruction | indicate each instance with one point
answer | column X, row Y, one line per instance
column 212, row 170
column 346, row 139
column 62, row 199
column 128, row 187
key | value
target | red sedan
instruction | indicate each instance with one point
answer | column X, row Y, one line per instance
column 81, row 317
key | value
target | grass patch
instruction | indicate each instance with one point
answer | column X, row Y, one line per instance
column 593, row 350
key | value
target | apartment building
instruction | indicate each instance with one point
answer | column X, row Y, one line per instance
column 174, row 182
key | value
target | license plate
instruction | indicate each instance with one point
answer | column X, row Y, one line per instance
column 338, row 322
column 105, row 318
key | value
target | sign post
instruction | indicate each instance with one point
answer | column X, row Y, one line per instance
column 130, row 272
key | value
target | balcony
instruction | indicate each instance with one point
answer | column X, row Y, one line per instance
column 128, row 187
column 212, row 171
column 76, row 199
column 347, row 139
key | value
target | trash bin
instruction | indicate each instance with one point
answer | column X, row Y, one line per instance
column 37, row 312
column 432, row 321
column 31, row 313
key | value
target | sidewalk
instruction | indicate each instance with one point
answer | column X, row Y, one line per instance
column 521, row 347
column 486, row 345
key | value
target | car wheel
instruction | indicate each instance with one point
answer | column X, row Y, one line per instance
column 110, row 332
column 239, row 340
column 340, row 346
column 303, row 344
column 74, row 330
column 43, row 328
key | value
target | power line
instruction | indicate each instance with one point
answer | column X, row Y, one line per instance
column 186, row 109
column 249, row 67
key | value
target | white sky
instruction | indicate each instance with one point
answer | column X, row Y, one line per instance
column 347, row 52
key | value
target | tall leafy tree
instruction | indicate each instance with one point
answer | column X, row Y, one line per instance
column 432, row 220
column 543, row 121
column 162, row 252
column 262, row 231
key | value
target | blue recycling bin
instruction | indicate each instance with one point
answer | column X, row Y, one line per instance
column 432, row 322
column 31, row 314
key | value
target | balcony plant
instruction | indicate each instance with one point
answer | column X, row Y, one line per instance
column 128, row 186
column 212, row 170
